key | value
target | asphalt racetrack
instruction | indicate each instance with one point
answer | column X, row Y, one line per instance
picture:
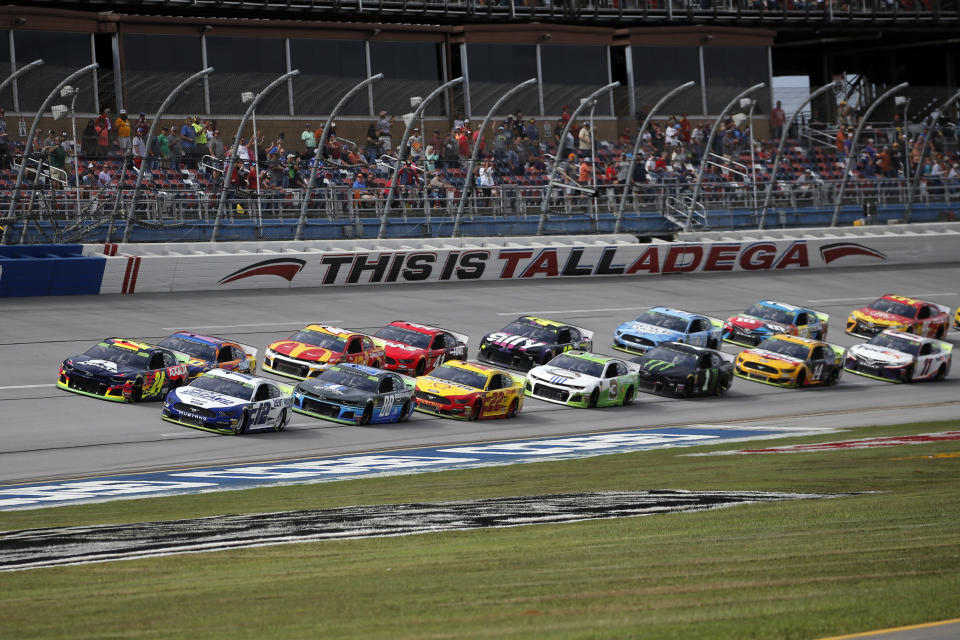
column 54, row 434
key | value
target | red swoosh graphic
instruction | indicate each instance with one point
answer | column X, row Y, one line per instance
column 831, row 252
column 286, row 268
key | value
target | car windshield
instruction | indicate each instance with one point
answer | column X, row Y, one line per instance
column 223, row 386
column 460, row 376
column 659, row 319
column 896, row 343
column 196, row 349
column 579, row 365
column 126, row 357
column 317, row 339
column 769, row 313
column 542, row 334
column 894, row 307
column 349, row 379
column 404, row 336
column 678, row 358
column 791, row 349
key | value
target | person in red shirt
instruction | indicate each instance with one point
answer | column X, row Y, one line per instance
column 565, row 115
column 685, row 128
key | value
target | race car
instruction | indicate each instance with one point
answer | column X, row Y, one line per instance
column 588, row 380
column 217, row 353
column 685, row 370
column 791, row 361
column 956, row 320
column 229, row 402
column 355, row 394
column 315, row 347
column 895, row 356
column 899, row 313
column 663, row 324
column 124, row 370
column 767, row 318
column 417, row 348
column 469, row 391
column 529, row 341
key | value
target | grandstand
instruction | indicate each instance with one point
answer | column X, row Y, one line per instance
column 903, row 164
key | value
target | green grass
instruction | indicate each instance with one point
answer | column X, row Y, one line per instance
column 803, row 569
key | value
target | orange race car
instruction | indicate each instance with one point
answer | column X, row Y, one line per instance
column 900, row 313
column 312, row 349
column 469, row 391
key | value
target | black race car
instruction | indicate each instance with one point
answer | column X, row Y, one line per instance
column 127, row 371
column 355, row 394
column 528, row 341
column 684, row 370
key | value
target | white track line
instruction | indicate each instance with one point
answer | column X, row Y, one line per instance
column 27, row 386
column 257, row 324
column 546, row 311
column 872, row 298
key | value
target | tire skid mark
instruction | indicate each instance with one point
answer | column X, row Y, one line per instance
column 64, row 546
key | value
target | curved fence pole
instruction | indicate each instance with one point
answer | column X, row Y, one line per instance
column 227, row 169
column 584, row 103
column 853, row 148
column 319, row 150
column 403, row 141
column 19, row 72
column 636, row 149
column 783, row 141
column 468, row 180
column 913, row 185
column 33, row 129
column 162, row 111
column 709, row 146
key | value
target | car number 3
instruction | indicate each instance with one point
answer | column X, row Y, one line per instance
column 614, row 389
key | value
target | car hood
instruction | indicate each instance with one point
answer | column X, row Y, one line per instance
column 752, row 323
column 337, row 393
column 649, row 331
column 206, row 399
column 654, row 367
column 102, row 368
column 555, row 375
column 302, row 351
column 397, row 350
column 443, row 387
column 884, row 355
column 512, row 341
column 772, row 356
column 880, row 317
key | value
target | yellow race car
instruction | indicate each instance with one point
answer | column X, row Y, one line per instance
column 791, row 361
column 469, row 391
column 956, row 319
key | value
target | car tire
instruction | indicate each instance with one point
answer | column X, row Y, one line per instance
column 908, row 376
column 713, row 344
column 514, row 409
column 833, row 378
column 801, row 378
column 628, row 396
column 281, row 421
column 594, row 398
column 941, row 373
column 688, row 388
column 420, row 369
column 242, row 426
column 367, row 415
column 476, row 410
column 136, row 393
column 723, row 385
column 377, row 364
column 404, row 412
column 940, row 331
column 546, row 357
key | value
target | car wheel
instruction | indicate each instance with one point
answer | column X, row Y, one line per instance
column 594, row 398
column 941, row 373
column 908, row 376
column 940, row 331
column 136, row 394
column 833, row 378
column 405, row 412
column 628, row 396
column 366, row 415
column 546, row 357
column 801, row 379
column 723, row 385
column 514, row 409
column 689, row 386
column 477, row 410
column 241, row 427
column 281, row 421
column 713, row 344
column 377, row 364
column 421, row 369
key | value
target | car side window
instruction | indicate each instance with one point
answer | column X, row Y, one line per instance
column 263, row 393
column 820, row 353
column 494, row 383
column 715, row 360
column 926, row 349
column 156, row 361
column 801, row 319
column 575, row 335
column 168, row 359
column 621, row 369
column 696, row 326
column 438, row 342
column 272, row 391
column 386, row 385
column 611, row 370
column 355, row 346
column 563, row 336
column 226, row 354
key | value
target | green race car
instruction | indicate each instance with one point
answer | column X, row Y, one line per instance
column 581, row 379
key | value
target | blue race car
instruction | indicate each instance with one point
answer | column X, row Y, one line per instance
column 216, row 353
column 356, row 394
column 768, row 318
column 229, row 402
column 660, row 325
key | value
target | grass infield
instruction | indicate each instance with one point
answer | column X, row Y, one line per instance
column 800, row 569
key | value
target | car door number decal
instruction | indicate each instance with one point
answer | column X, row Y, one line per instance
column 614, row 390
column 496, row 402
column 818, row 371
column 157, row 385
column 387, row 405
column 260, row 413
column 926, row 366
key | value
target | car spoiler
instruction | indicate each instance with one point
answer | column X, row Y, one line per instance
column 284, row 388
column 726, row 357
column 946, row 346
column 250, row 351
column 410, row 381
column 942, row 308
column 838, row 350
column 586, row 333
column 716, row 322
column 823, row 317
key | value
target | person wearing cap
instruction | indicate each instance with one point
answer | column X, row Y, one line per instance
column 586, row 139
column 415, row 145
column 383, row 133
column 360, row 189
column 308, row 138
column 3, row 123
column 200, row 136
column 142, row 122
column 122, row 127
column 188, row 138
column 531, row 131
column 500, row 141
column 89, row 176
column 139, row 146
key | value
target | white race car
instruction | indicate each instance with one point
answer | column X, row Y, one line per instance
column 581, row 379
column 895, row 356
column 230, row 402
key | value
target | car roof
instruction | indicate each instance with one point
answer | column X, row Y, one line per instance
column 913, row 302
column 413, row 326
column 236, row 376
column 781, row 306
column 196, row 337
column 683, row 347
column 809, row 342
column 592, row 357
column 361, row 369
column 541, row 322
column 677, row 313
column 333, row 331
column 476, row 367
column 907, row 336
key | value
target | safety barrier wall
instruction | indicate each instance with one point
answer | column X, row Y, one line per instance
column 142, row 268
column 49, row 270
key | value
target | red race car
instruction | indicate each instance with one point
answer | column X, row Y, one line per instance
column 418, row 349
column 900, row 313
column 315, row 347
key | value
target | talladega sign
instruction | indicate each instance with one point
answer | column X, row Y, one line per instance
column 315, row 268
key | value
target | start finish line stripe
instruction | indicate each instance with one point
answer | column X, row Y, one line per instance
column 219, row 478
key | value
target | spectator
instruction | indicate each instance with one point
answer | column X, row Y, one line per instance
column 586, row 140
column 175, row 147
column 585, row 174
column 500, row 144
column 199, row 137
column 103, row 139
column 565, row 115
column 531, row 131
column 57, row 159
column 451, row 151
column 415, row 145
column 142, row 122
column 371, row 148
column 103, row 178
column 188, row 137
column 309, row 139
column 686, row 129
column 122, row 127
column 777, row 120
column 88, row 139
column 104, row 121
column 360, row 191
column 383, row 132
column 430, row 158
column 139, row 149
column 435, row 141
column 215, row 146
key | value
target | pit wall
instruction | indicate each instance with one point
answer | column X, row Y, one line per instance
column 154, row 268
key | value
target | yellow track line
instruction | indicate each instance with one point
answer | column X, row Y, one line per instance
column 865, row 634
